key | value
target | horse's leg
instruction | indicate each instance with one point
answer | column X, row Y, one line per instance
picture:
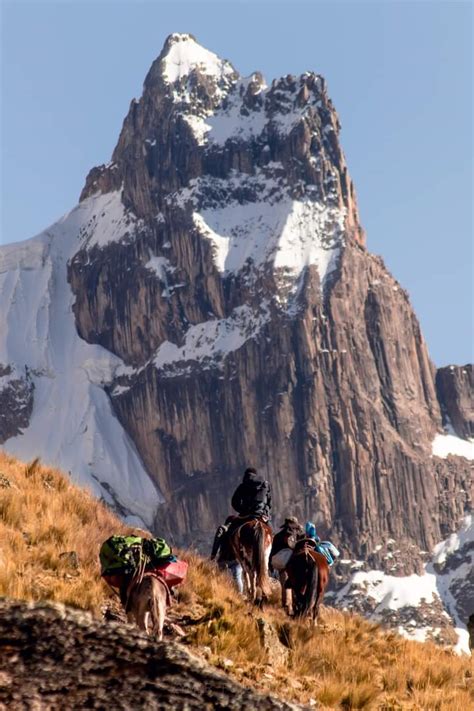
column 322, row 582
column 147, row 622
column 316, row 610
column 159, row 610
column 250, row 590
column 286, row 597
column 258, row 592
column 141, row 606
column 246, row 576
column 251, row 580
column 131, row 606
column 267, row 565
column 282, row 578
column 259, row 553
column 253, row 585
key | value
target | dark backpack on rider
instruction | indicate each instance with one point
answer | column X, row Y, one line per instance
column 261, row 492
column 256, row 496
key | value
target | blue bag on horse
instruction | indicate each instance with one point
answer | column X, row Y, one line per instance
column 324, row 549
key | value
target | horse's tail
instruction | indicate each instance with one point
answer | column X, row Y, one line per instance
column 311, row 594
column 260, row 560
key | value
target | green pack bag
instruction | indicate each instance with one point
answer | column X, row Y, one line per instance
column 155, row 549
column 123, row 554
column 120, row 554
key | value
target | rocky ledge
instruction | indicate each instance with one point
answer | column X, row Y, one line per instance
column 49, row 653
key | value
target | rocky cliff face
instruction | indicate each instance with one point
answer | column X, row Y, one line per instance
column 229, row 314
column 455, row 388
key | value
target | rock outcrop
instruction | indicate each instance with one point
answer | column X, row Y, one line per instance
column 53, row 657
column 455, row 388
column 229, row 313
column 16, row 401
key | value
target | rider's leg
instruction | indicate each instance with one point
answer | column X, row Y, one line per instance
column 236, row 570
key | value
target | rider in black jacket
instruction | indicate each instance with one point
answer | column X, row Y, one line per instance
column 253, row 496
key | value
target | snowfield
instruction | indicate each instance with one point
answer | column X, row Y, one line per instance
column 212, row 340
column 72, row 424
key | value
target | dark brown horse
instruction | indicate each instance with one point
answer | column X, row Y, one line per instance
column 251, row 542
column 282, row 547
column 308, row 576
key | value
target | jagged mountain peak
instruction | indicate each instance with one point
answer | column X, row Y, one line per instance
column 203, row 135
column 182, row 54
column 186, row 74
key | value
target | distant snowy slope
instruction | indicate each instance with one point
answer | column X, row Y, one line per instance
column 72, row 424
column 421, row 606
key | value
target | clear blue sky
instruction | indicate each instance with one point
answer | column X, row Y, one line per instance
column 399, row 73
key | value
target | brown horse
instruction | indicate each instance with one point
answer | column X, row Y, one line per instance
column 308, row 576
column 148, row 600
column 251, row 542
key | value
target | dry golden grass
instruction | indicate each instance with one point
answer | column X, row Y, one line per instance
column 345, row 663
column 41, row 516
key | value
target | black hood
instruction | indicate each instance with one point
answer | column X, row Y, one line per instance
column 251, row 477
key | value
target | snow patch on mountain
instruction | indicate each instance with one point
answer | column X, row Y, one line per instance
column 231, row 120
column 455, row 541
column 291, row 234
column 211, row 341
column 118, row 224
column 446, row 444
column 252, row 219
column 72, row 424
column 161, row 266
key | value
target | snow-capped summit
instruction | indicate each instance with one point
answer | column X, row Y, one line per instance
column 182, row 54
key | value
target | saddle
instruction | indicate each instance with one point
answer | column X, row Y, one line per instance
column 240, row 519
column 305, row 545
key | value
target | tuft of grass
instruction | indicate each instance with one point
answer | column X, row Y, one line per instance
column 344, row 662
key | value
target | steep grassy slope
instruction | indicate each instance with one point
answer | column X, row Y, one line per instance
column 345, row 663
